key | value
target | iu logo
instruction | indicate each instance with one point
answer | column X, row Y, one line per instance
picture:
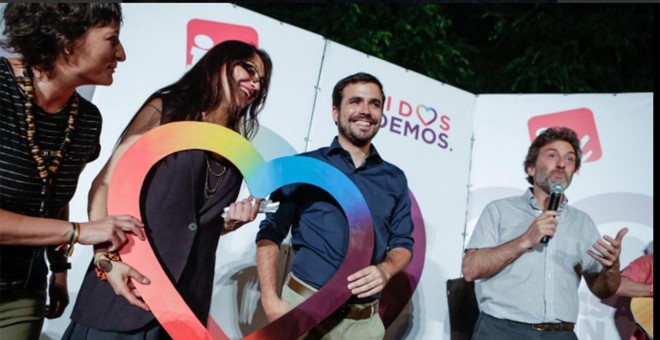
column 579, row 120
column 202, row 35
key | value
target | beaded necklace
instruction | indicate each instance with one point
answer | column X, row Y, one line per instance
column 46, row 172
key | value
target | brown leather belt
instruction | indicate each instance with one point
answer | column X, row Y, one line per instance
column 357, row 312
column 347, row 311
column 299, row 288
column 560, row 326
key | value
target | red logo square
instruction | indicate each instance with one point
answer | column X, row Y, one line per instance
column 579, row 120
column 203, row 35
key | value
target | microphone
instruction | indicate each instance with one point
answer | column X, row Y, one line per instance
column 556, row 191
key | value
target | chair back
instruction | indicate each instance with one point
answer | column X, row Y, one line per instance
column 463, row 308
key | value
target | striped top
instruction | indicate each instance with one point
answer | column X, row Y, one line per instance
column 20, row 185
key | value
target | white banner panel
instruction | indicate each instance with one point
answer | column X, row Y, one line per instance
column 614, row 185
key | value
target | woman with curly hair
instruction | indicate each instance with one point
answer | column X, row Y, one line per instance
column 48, row 134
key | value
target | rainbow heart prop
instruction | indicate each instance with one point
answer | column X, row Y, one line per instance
column 262, row 178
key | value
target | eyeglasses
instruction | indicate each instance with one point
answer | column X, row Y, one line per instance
column 251, row 70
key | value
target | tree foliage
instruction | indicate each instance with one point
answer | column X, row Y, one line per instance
column 496, row 48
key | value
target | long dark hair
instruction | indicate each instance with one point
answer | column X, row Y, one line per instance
column 39, row 32
column 199, row 89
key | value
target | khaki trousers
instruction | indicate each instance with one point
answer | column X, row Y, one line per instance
column 334, row 328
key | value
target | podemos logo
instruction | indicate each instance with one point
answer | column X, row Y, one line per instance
column 420, row 122
column 202, row 35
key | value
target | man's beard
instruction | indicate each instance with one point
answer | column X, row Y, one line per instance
column 345, row 131
column 546, row 181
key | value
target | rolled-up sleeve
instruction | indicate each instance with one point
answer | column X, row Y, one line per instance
column 402, row 224
column 275, row 227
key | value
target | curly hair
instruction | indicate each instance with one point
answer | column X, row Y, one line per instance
column 548, row 136
column 39, row 32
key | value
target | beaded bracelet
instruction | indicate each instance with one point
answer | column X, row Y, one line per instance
column 75, row 234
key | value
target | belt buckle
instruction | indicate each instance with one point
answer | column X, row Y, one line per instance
column 355, row 312
column 370, row 311
column 373, row 310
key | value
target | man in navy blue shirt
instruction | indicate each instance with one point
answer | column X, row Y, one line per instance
column 319, row 227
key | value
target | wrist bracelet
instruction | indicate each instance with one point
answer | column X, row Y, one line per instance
column 103, row 264
column 651, row 291
column 75, row 234
column 60, row 267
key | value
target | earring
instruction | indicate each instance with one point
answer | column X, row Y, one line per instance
column 68, row 50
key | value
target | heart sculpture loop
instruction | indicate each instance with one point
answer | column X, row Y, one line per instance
column 262, row 178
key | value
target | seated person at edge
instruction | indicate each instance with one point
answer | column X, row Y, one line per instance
column 48, row 133
column 316, row 220
column 637, row 281
column 527, row 287
column 182, row 199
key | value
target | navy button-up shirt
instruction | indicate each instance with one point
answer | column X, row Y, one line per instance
column 319, row 227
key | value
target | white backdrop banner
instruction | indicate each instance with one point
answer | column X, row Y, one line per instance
column 458, row 150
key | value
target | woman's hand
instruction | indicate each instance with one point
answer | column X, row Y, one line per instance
column 241, row 212
column 121, row 277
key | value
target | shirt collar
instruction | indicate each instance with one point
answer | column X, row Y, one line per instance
column 529, row 195
column 336, row 148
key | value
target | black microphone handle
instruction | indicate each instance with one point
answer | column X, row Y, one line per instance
column 552, row 205
column 555, row 197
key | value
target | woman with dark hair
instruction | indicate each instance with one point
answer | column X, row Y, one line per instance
column 183, row 198
column 48, row 134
